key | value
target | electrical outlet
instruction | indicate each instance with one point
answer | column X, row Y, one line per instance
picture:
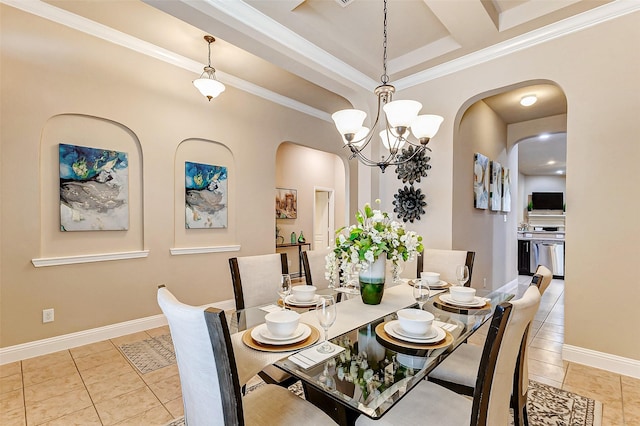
column 47, row 315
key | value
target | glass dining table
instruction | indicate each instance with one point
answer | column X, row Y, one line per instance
column 377, row 367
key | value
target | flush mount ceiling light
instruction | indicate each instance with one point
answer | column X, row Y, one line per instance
column 207, row 84
column 397, row 119
column 528, row 100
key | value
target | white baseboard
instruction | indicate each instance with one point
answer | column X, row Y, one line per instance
column 86, row 337
column 604, row 361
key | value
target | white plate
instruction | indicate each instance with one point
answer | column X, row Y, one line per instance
column 289, row 300
column 390, row 329
column 257, row 334
column 478, row 302
column 439, row 284
column 266, row 334
column 398, row 329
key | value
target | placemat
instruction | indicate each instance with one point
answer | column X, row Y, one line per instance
column 313, row 338
column 381, row 333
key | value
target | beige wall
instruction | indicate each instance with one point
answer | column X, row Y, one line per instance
column 152, row 110
column 598, row 72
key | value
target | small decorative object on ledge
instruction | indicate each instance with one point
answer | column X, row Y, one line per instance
column 301, row 238
column 367, row 245
column 415, row 165
column 409, row 203
column 293, row 238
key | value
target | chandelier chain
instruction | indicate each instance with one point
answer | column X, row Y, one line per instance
column 384, row 78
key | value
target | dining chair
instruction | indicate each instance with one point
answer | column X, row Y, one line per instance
column 255, row 281
column 445, row 262
column 313, row 264
column 252, row 276
column 208, row 374
column 430, row 403
column 459, row 371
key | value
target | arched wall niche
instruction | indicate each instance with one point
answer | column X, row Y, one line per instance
column 491, row 234
column 94, row 132
column 213, row 153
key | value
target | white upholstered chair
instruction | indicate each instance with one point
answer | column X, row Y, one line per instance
column 208, row 377
column 313, row 264
column 460, row 370
column 255, row 282
column 429, row 403
column 255, row 278
column 445, row 262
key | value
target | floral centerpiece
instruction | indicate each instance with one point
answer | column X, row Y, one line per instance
column 365, row 247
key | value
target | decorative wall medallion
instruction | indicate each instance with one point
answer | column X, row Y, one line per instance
column 415, row 168
column 409, row 203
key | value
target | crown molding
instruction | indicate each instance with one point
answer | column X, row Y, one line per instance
column 87, row 26
column 553, row 31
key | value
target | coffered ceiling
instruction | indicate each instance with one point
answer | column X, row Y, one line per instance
column 318, row 56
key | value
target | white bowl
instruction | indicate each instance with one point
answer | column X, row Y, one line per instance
column 303, row 293
column 282, row 323
column 415, row 321
column 462, row 294
column 430, row 277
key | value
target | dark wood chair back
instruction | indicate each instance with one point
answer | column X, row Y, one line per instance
column 470, row 258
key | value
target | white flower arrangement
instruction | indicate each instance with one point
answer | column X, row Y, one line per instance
column 375, row 234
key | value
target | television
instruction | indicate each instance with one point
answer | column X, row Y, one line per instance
column 547, row 200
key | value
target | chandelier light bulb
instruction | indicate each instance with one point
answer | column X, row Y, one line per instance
column 395, row 143
column 349, row 121
column 401, row 113
column 426, row 126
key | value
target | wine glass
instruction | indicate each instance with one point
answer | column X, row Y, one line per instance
column 284, row 289
column 462, row 274
column 421, row 292
column 326, row 312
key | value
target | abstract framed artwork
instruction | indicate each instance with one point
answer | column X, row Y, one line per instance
column 206, row 196
column 506, row 189
column 480, row 181
column 94, row 189
column 495, row 186
column 286, row 203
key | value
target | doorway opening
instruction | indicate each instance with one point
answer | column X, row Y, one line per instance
column 323, row 218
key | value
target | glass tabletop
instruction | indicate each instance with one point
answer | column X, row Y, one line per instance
column 376, row 368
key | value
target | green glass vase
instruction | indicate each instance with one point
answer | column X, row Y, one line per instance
column 372, row 281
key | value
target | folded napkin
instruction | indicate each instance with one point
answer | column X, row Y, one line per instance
column 271, row 308
column 445, row 325
column 311, row 357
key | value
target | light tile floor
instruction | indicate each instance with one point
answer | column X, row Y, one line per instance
column 95, row 385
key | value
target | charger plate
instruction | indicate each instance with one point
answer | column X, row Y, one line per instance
column 382, row 334
column 248, row 340
column 439, row 300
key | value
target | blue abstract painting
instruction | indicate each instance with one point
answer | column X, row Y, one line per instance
column 205, row 196
column 94, row 189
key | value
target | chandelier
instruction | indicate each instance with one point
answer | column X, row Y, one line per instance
column 398, row 119
column 208, row 84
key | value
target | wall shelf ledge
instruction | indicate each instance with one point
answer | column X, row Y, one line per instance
column 89, row 258
column 202, row 250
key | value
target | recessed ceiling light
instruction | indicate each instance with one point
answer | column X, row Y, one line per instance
column 550, row 162
column 528, row 100
column 560, row 172
column 544, row 136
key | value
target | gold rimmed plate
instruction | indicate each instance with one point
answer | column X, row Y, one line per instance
column 265, row 347
column 385, row 337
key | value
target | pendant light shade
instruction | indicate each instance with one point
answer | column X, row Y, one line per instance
column 349, row 121
column 208, row 84
column 426, row 126
column 390, row 141
column 401, row 113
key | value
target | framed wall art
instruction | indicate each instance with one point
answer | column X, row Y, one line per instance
column 495, row 186
column 94, row 189
column 480, row 181
column 286, row 203
column 205, row 196
column 506, row 189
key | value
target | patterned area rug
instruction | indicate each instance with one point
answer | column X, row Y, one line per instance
column 150, row 354
column 546, row 406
